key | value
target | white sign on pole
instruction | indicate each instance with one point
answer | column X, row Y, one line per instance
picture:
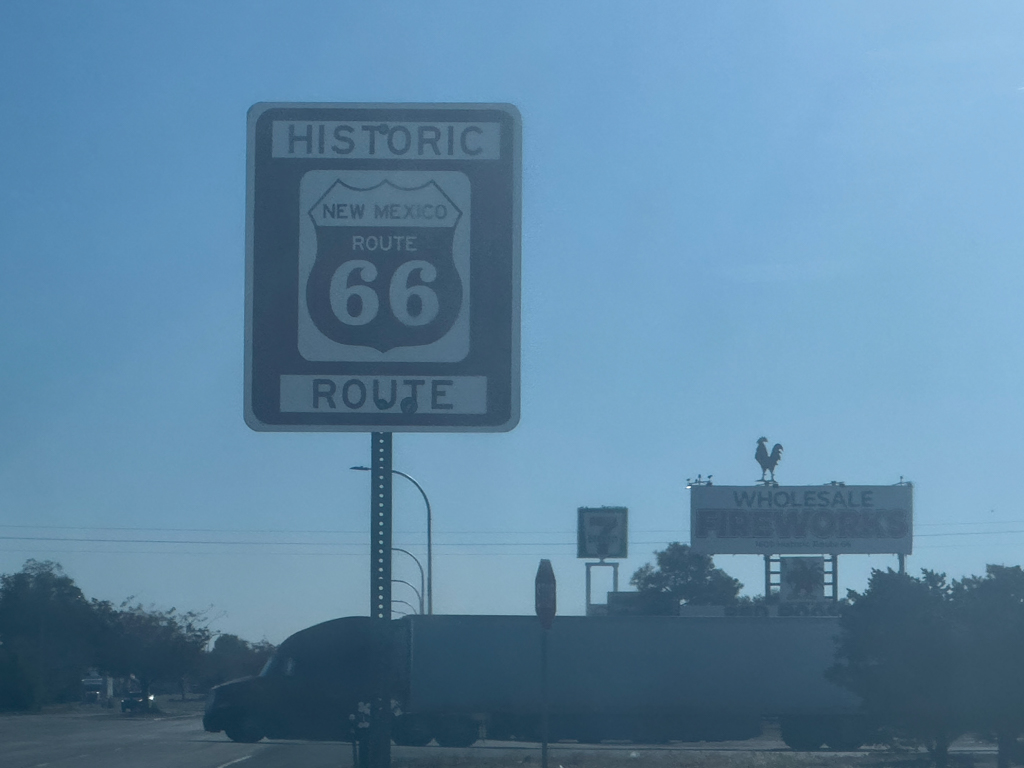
column 382, row 273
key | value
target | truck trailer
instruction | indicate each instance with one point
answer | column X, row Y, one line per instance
column 647, row 679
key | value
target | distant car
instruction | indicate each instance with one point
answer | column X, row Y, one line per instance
column 136, row 702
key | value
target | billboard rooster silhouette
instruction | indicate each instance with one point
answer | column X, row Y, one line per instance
column 767, row 461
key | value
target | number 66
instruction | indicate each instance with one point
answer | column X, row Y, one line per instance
column 358, row 304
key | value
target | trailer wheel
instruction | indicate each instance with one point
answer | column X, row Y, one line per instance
column 650, row 733
column 589, row 736
column 244, row 728
column 457, row 732
column 804, row 734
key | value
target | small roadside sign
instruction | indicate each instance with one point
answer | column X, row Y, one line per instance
column 382, row 267
column 545, row 594
column 602, row 532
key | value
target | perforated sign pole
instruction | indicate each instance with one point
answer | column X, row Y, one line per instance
column 379, row 737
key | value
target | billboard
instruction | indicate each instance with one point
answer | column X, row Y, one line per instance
column 802, row 519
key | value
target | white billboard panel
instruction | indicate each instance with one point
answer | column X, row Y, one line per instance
column 793, row 520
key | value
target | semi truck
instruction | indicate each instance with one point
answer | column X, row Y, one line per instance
column 647, row 679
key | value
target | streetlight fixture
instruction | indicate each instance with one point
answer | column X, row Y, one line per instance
column 430, row 554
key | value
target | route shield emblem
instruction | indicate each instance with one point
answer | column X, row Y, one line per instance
column 384, row 266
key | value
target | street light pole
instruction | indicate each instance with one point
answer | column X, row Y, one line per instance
column 405, row 602
column 422, row 589
column 430, row 526
column 430, row 543
column 419, row 596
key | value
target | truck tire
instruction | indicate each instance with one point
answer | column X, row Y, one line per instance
column 844, row 743
column 411, row 732
column 803, row 734
column 651, row 732
column 457, row 732
column 589, row 736
column 844, row 734
column 506, row 727
column 245, row 728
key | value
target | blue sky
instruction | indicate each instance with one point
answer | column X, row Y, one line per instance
column 800, row 220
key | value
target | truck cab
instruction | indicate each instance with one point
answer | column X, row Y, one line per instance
column 307, row 690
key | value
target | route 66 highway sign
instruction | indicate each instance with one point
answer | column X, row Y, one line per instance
column 382, row 267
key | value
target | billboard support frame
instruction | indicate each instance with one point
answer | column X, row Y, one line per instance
column 831, row 574
column 615, row 581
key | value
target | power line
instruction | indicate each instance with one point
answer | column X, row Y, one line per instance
column 320, row 531
column 169, row 530
column 972, row 522
column 251, row 542
column 237, row 553
column 335, row 554
column 967, row 533
column 86, row 540
column 291, row 530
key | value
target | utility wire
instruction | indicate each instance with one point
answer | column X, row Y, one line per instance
column 318, row 531
column 252, row 542
column 293, row 543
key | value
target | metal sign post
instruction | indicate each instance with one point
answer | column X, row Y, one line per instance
column 379, row 737
column 545, row 604
column 602, row 532
column 599, row 609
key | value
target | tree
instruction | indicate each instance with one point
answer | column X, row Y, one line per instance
column 687, row 576
column 155, row 646
column 902, row 649
column 992, row 610
column 49, row 632
column 232, row 657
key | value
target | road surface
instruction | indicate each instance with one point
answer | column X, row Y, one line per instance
column 111, row 740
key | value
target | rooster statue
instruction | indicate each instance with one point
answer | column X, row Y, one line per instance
column 767, row 461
